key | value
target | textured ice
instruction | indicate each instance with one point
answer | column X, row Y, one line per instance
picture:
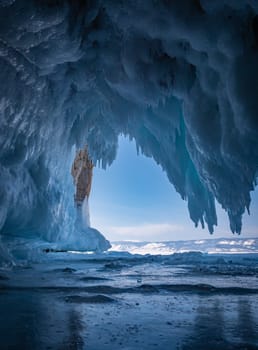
column 210, row 246
column 183, row 301
column 180, row 77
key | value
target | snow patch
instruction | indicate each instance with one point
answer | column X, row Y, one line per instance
column 171, row 247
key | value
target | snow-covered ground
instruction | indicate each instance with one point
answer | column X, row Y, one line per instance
column 118, row 300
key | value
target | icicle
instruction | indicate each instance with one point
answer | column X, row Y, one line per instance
column 85, row 213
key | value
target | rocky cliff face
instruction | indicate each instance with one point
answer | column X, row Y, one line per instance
column 82, row 175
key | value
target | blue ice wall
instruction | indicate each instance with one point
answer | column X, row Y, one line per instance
column 180, row 77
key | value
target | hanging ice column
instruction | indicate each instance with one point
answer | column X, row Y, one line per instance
column 82, row 170
column 87, row 238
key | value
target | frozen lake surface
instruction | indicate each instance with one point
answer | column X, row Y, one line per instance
column 123, row 301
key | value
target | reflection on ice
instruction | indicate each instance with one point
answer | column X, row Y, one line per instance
column 122, row 301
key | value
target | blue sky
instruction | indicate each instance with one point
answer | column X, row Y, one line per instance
column 133, row 200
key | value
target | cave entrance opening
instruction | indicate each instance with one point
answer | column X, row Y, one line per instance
column 134, row 200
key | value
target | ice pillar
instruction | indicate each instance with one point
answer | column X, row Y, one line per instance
column 82, row 170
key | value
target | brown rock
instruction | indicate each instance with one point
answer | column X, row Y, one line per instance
column 82, row 170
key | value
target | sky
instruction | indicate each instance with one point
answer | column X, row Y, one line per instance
column 133, row 200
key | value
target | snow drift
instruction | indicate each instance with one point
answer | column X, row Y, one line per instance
column 180, row 77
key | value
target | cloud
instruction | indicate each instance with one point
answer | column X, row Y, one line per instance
column 144, row 231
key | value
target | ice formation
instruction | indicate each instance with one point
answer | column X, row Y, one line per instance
column 82, row 170
column 180, row 77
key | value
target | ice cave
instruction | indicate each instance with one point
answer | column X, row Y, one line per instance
column 178, row 77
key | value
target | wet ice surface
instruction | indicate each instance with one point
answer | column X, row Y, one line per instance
column 123, row 301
